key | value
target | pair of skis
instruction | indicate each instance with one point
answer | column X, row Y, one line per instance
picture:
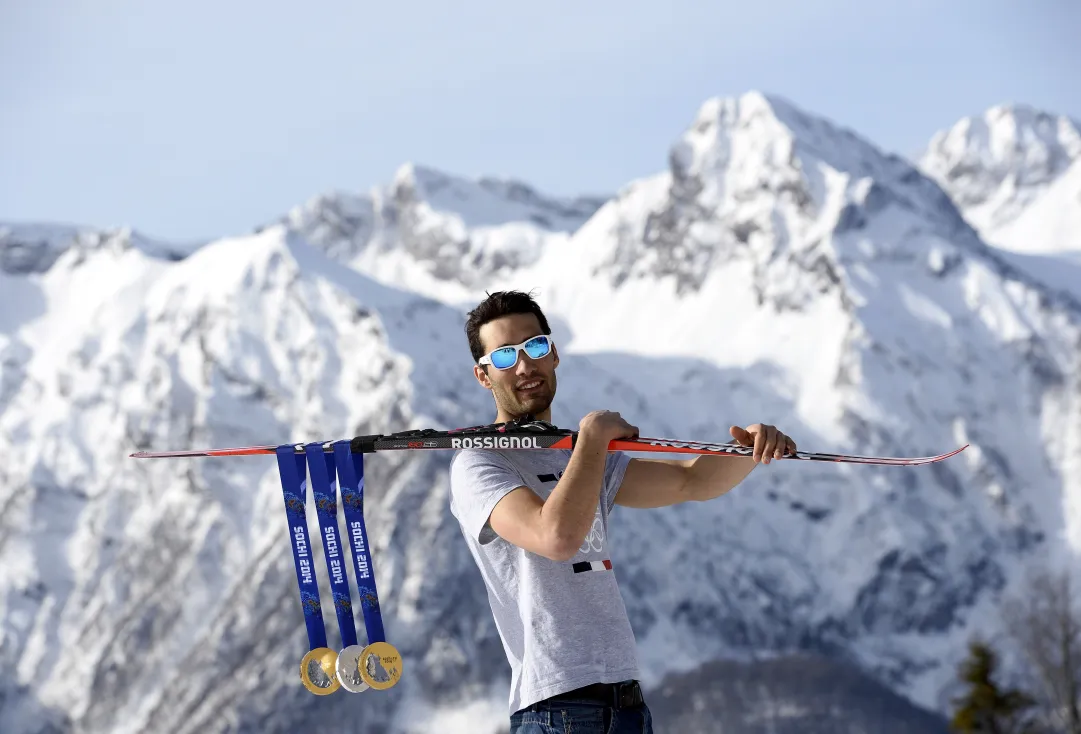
column 528, row 433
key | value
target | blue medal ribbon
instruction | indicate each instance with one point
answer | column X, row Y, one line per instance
column 291, row 467
column 351, row 481
column 324, row 489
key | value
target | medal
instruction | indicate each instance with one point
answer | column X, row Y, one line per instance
column 317, row 668
column 317, row 671
column 380, row 665
column 348, row 669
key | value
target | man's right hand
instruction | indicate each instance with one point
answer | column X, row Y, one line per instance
column 605, row 425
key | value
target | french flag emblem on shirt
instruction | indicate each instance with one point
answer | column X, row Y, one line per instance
column 582, row 566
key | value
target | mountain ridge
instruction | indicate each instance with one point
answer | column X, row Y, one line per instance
column 998, row 166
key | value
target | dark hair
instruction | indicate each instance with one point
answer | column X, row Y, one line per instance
column 497, row 305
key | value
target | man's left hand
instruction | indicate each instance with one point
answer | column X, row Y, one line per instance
column 769, row 443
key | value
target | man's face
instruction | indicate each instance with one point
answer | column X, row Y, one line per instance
column 530, row 385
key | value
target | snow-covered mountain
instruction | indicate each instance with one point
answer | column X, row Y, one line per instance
column 780, row 269
column 452, row 233
column 1015, row 174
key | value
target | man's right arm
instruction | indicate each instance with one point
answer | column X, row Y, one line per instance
column 555, row 528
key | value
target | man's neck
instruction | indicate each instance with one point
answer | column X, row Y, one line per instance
column 502, row 417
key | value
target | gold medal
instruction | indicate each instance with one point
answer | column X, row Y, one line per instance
column 317, row 671
column 380, row 665
column 349, row 669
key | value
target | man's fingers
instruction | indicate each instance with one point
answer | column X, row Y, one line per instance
column 770, row 447
column 769, row 443
column 781, row 446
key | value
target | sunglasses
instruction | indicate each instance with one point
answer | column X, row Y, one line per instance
column 506, row 357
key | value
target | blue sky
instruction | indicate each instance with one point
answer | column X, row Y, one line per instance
column 200, row 119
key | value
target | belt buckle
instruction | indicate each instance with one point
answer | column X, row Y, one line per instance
column 628, row 695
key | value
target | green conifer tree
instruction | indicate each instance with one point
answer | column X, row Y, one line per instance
column 985, row 708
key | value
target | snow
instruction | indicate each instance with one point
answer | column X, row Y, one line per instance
column 782, row 269
column 1015, row 174
column 489, row 202
column 1052, row 223
column 442, row 233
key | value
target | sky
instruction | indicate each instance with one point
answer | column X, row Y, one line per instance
column 202, row 119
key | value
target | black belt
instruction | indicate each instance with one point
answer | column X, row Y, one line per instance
column 627, row 694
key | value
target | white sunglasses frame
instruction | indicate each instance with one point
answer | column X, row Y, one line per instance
column 519, row 350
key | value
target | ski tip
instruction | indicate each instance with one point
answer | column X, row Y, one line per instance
column 943, row 457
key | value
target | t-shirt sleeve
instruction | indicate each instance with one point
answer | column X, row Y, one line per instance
column 614, row 469
column 478, row 480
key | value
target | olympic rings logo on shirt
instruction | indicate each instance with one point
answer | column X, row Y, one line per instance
column 595, row 540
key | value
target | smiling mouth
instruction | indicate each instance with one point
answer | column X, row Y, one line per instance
column 530, row 385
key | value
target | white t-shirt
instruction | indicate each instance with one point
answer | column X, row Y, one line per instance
column 563, row 624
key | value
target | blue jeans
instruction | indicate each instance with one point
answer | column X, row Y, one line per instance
column 581, row 717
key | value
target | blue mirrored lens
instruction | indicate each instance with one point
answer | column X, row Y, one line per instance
column 537, row 348
column 504, row 358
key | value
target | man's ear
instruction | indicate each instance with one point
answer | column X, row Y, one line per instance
column 555, row 355
column 482, row 376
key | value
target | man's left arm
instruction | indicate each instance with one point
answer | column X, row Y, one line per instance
column 650, row 483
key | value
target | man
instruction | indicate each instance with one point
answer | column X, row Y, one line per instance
column 536, row 522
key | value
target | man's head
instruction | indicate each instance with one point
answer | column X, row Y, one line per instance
column 528, row 386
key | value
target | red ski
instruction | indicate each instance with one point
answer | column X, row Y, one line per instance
column 533, row 434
